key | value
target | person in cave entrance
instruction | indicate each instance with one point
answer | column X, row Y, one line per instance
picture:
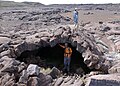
column 67, row 57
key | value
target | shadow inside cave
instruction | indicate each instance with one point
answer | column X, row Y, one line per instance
column 54, row 56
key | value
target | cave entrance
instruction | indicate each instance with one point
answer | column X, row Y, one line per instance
column 54, row 56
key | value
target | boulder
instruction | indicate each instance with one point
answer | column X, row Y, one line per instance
column 55, row 72
column 23, row 47
column 105, row 28
column 10, row 53
column 6, row 80
column 5, row 53
column 33, row 70
column 95, row 73
column 80, row 71
column 90, row 59
column 10, row 64
column 104, row 80
column 58, row 81
column 117, row 46
column 21, row 67
column 59, row 31
column 78, row 82
column 33, row 81
column 49, row 79
column 70, row 82
column 107, row 43
column 24, row 77
column 4, row 40
column 113, row 32
column 32, row 77
column 67, row 79
column 53, row 41
column 115, row 68
column 44, row 80
column 4, row 47
column 11, row 82
column 43, row 34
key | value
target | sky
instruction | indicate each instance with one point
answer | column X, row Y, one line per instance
column 70, row 1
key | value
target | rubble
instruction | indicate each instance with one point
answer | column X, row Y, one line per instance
column 26, row 31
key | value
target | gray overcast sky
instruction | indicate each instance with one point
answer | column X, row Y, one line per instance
column 70, row 1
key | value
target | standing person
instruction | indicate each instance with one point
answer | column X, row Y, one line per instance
column 67, row 56
column 75, row 18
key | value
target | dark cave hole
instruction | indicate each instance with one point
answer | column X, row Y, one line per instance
column 54, row 56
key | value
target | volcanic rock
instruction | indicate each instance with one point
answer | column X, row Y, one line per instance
column 58, row 81
column 33, row 81
column 103, row 80
column 55, row 73
column 23, row 79
column 33, row 70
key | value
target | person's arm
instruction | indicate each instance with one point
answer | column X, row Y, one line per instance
column 62, row 46
column 70, row 51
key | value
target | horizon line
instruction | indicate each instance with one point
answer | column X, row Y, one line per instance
column 59, row 3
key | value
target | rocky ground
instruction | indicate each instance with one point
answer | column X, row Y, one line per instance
column 24, row 30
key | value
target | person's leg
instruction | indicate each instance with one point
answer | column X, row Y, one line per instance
column 65, row 63
column 75, row 20
column 77, row 23
column 68, row 64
